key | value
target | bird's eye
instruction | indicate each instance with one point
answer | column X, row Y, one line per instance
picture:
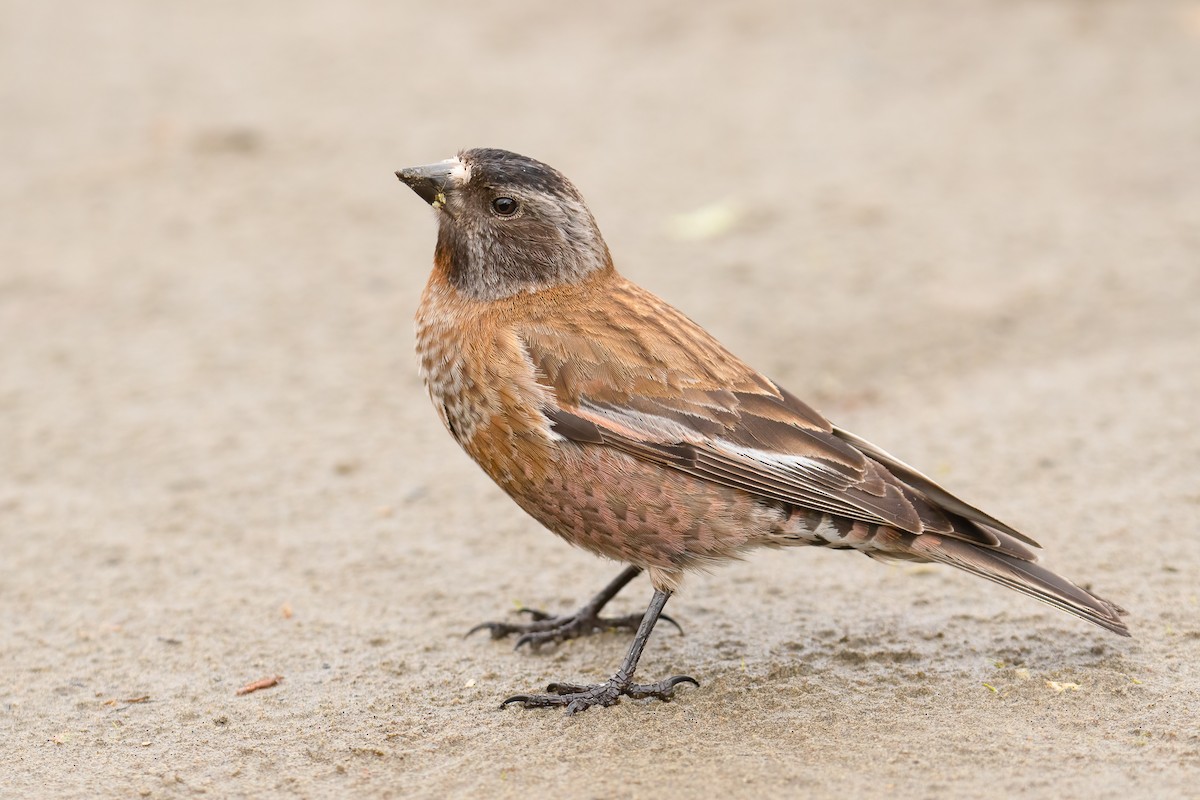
column 504, row 206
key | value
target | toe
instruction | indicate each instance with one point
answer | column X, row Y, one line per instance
column 566, row 688
column 536, row 614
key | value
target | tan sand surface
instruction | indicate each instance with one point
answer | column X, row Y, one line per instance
column 967, row 231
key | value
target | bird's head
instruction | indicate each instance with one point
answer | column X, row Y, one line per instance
column 508, row 224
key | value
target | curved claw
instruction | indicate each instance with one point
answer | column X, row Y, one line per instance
column 673, row 681
column 536, row 701
column 678, row 627
column 492, row 627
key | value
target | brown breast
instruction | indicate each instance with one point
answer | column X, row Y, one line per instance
column 482, row 383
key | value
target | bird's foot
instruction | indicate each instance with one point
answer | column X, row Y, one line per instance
column 545, row 629
column 578, row 698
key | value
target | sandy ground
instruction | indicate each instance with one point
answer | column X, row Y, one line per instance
column 967, row 231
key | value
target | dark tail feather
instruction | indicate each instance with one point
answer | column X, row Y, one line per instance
column 1024, row 576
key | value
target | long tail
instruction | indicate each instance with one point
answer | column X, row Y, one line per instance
column 978, row 543
column 1024, row 576
column 1008, row 562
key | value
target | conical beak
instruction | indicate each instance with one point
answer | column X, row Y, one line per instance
column 431, row 181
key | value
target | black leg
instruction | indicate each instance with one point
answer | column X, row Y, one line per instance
column 578, row 698
column 546, row 628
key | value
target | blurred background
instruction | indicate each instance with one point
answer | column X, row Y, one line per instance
column 967, row 231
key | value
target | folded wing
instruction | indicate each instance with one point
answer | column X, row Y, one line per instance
column 723, row 422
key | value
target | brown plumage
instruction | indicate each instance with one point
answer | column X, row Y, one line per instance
column 625, row 428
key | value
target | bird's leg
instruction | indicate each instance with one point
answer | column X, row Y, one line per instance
column 545, row 628
column 578, row 698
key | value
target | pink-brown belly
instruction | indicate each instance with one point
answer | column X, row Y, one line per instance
column 640, row 513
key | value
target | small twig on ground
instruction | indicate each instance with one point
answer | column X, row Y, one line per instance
column 265, row 683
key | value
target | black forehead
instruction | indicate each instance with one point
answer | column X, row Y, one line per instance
column 501, row 167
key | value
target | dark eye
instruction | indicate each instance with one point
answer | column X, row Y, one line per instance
column 504, row 206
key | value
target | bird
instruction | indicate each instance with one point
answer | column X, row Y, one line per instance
column 625, row 428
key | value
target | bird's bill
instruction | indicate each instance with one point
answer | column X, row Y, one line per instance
column 432, row 181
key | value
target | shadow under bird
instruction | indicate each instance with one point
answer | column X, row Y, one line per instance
column 628, row 430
